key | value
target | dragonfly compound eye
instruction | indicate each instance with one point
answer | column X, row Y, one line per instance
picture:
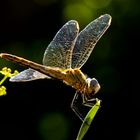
column 94, row 85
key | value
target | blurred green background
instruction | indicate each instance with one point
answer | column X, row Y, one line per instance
column 40, row 110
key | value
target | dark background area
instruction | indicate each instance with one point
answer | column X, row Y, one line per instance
column 40, row 110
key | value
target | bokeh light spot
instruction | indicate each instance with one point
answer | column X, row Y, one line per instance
column 53, row 126
column 97, row 4
column 78, row 12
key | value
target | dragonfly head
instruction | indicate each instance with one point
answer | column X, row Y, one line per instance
column 93, row 86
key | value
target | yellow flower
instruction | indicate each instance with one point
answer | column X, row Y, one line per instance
column 2, row 90
column 7, row 74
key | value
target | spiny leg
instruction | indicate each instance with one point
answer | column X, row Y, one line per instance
column 88, row 102
column 74, row 105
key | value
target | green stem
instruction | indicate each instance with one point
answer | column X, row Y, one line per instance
column 4, row 78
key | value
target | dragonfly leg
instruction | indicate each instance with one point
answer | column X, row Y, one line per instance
column 88, row 102
column 74, row 105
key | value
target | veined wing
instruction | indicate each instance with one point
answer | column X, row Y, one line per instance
column 87, row 40
column 59, row 52
column 28, row 75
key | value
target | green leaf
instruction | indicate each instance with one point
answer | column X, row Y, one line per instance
column 88, row 119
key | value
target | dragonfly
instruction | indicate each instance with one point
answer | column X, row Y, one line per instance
column 64, row 57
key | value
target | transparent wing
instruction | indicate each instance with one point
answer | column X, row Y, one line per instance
column 59, row 51
column 28, row 75
column 88, row 38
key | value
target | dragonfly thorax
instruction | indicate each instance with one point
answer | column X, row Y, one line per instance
column 78, row 80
